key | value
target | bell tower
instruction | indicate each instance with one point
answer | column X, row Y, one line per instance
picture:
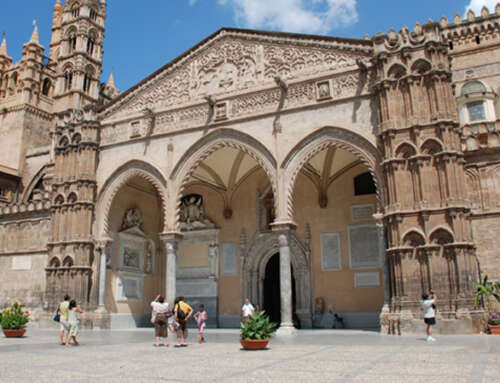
column 76, row 51
column 427, row 215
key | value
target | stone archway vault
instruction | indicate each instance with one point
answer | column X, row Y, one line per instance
column 260, row 250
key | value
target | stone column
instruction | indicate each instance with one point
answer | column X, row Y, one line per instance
column 171, row 241
column 383, row 256
column 102, row 248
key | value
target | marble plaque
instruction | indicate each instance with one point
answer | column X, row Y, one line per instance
column 130, row 287
column 360, row 212
column 21, row 262
column 364, row 246
column 229, row 261
column 371, row 279
column 331, row 258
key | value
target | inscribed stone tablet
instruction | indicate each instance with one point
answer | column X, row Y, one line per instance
column 364, row 246
column 371, row 279
column 229, row 261
column 360, row 212
column 22, row 262
column 330, row 251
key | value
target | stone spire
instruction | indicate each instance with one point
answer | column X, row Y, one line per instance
column 111, row 81
column 34, row 35
column 3, row 47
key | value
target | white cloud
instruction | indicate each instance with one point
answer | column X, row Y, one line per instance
column 305, row 16
column 477, row 5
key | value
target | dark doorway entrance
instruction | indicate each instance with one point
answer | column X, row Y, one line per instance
column 272, row 291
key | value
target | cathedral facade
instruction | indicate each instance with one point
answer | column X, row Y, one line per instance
column 314, row 175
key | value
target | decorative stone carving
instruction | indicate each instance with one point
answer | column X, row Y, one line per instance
column 213, row 260
column 132, row 218
column 192, row 216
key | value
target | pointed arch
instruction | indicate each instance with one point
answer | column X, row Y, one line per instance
column 441, row 235
column 405, row 150
column 212, row 142
column 110, row 188
column 324, row 138
column 413, row 238
column 431, row 146
column 33, row 183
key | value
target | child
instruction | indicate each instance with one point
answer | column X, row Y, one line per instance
column 73, row 322
column 201, row 317
column 428, row 305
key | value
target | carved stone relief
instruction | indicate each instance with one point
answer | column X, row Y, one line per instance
column 192, row 215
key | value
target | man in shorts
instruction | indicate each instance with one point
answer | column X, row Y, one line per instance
column 429, row 305
column 63, row 311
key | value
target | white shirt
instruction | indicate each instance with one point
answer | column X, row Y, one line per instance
column 160, row 307
column 428, row 310
column 247, row 309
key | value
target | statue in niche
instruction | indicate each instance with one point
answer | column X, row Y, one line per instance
column 148, row 265
column 192, row 215
column 213, row 259
column 130, row 258
column 132, row 218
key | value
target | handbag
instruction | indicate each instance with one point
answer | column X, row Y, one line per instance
column 57, row 317
column 169, row 314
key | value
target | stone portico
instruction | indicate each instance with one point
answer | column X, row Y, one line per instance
column 313, row 175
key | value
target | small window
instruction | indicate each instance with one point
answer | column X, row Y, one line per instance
column 476, row 111
column 72, row 43
column 46, row 87
column 76, row 11
column 90, row 45
column 93, row 14
column 86, row 83
column 68, row 80
column 363, row 184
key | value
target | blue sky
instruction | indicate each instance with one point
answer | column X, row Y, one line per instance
column 143, row 35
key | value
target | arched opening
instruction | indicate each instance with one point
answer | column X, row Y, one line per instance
column 130, row 212
column 347, row 252
column 223, row 181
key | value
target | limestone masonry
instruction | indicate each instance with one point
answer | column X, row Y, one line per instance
column 313, row 175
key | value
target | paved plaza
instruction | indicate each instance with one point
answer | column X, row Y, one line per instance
column 311, row 356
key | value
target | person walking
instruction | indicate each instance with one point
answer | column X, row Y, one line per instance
column 182, row 312
column 63, row 311
column 247, row 310
column 429, row 306
column 159, row 319
column 73, row 309
column 201, row 317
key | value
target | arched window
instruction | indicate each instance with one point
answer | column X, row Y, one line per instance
column 14, row 79
column 93, row 14
column 476, row 103
column 91, row 43
column 68, row 80
column 86, row 82
column 75, row 11
column 363, row 184
column 46, row 87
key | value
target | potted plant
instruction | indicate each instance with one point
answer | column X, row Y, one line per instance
column 256, row 331
column 486, row 291
column 14, row 319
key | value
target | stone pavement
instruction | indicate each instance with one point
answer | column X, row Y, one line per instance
column 311, row 356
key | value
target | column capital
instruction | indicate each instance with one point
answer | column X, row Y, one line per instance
column 102, row 242
column 283, row 226
column 171, row 236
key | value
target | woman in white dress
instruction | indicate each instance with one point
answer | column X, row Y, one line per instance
column 159, row 318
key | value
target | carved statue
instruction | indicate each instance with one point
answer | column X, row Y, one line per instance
column 192, row 215
column 213, row 260
column 148, row 264
column 132, row 218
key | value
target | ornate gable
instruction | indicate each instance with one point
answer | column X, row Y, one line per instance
column 235, row 61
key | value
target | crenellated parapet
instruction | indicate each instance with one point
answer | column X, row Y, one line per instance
column 473, row 31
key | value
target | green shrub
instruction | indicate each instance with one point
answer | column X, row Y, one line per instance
column 258, row 326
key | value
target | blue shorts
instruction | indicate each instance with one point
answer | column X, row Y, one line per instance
column 430, row 321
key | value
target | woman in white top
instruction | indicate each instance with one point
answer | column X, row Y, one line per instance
column 428, row 305
column 159, row 319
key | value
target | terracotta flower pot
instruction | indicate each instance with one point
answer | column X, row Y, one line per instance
column 494, row 329
column 14, row 333
column 254, row 344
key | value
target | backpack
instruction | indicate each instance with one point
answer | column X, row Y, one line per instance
column 181, row 315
